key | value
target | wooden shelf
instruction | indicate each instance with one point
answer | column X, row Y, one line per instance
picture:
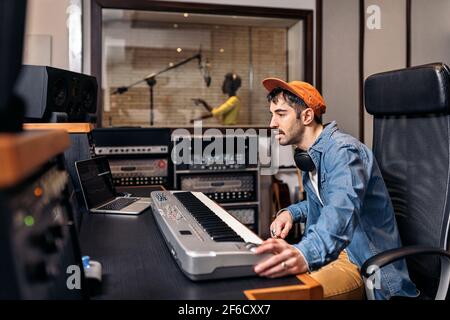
column 69, row 127
column 21, row 154
column 308, row 289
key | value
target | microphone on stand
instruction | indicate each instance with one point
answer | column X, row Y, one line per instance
column 204, row 68
column 205, row 73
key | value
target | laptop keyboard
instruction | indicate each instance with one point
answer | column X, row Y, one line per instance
column 118, row 204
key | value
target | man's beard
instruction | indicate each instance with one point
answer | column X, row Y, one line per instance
column 294, row 138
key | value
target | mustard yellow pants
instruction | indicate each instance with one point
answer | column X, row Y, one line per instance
column 340, row 279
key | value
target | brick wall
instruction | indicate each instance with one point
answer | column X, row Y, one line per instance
column 175, row 88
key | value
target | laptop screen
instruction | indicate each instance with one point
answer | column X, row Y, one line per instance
column 96, row 181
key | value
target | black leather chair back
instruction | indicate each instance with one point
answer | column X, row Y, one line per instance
column 412, row 146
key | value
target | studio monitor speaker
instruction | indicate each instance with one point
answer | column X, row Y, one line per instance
column 57, row 95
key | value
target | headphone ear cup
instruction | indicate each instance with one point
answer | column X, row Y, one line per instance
column 303, row 161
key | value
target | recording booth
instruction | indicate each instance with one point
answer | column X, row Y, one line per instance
column 165, row 106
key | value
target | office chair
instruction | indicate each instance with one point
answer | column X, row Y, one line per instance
column 411, row 143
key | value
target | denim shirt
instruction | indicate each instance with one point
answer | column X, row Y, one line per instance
column 356, row 215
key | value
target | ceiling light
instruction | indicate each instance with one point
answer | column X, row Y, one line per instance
column 179, row 50
column 186, row 15
column 175, row 26
column 222, row 50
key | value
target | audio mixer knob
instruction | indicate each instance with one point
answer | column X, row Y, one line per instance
column 57, row 231
column 46, row 241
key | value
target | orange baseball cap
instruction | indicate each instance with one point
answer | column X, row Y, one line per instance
column 303, row 90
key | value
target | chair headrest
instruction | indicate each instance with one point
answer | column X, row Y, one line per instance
column 418, row 90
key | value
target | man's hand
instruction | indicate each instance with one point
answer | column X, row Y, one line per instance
column 281, row 225
column 286, row 260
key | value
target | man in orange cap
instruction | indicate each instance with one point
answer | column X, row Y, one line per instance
column 348, row 213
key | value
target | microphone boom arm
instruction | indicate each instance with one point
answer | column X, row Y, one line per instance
column 152, row 76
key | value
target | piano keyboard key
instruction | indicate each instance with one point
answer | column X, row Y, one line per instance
column 219, row 224
column 213, row 225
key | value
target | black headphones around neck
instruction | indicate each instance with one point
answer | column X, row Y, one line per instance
column 303, row 160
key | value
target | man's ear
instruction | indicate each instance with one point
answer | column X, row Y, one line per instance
column 307, row 116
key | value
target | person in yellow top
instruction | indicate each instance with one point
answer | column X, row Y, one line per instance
column 228, row 111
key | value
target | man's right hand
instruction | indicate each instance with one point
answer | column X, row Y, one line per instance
column 281, row 225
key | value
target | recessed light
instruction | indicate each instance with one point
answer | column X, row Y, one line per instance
column 186, row 15
column 170, row 64
column 222, row 50
column 179, row 50
column 175, row 26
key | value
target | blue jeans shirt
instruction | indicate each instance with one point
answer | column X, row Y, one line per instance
column 356, row 215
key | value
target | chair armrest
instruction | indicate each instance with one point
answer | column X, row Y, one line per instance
column 389, row 256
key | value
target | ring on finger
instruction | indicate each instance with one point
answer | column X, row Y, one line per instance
column 273, row 232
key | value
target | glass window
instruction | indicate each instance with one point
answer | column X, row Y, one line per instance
column 140, row 44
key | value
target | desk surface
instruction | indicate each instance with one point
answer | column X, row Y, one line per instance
column 138, row 265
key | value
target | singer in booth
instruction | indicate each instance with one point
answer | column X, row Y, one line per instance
column 348, row 212
column 227, row 112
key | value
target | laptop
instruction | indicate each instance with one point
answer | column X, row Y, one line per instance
column 98, row 189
